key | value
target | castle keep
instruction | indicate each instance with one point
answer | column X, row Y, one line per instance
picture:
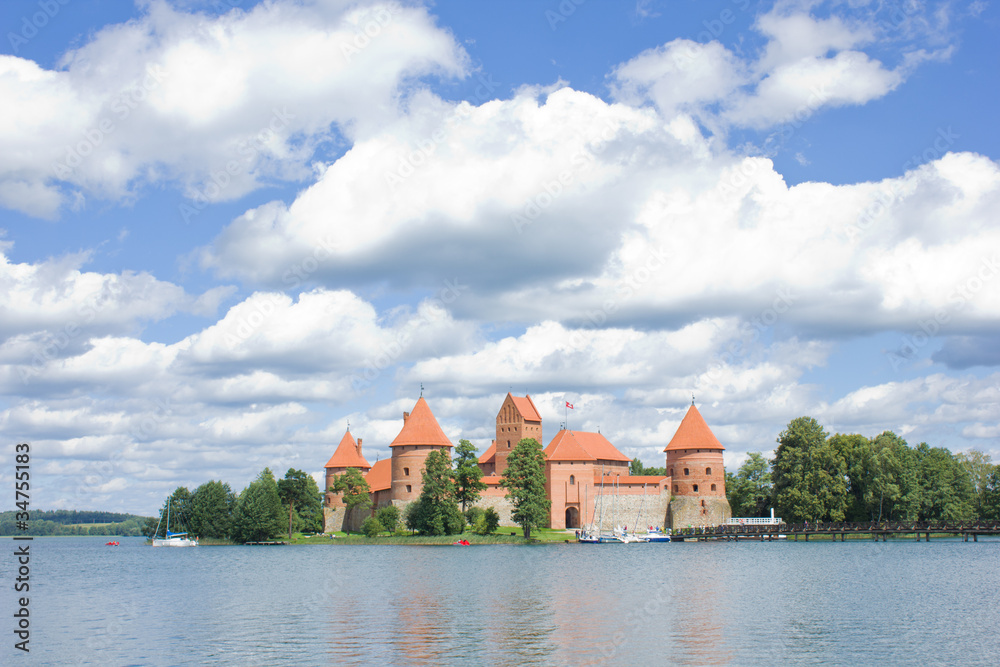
column 587, row 478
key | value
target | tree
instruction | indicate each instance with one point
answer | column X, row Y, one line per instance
column 436, row 511
column 388, row 516
column 637, row 468
column 749, row 490
column 468, row 476
column 299, row 489
column 487, row 523
column 809, row 474
column 258, row 515
column 991, row 496
column 371, row 527
column 946, row 493
column 978, row 466
column 524, row 480
column 356, row 492
column 212, row 508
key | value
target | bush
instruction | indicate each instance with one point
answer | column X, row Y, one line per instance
column 388, row 516
column 371, row 527
column 488, row 523
column 473, row 515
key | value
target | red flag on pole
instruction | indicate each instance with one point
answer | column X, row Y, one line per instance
column 569, row 405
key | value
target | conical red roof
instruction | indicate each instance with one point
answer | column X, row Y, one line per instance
column 421, row 428
column 582, row 446
column 348, row 455
column 693, row 433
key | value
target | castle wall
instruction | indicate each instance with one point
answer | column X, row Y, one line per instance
column 696, row 511
column 407, row 471
column 334, row 519
column 630, row 509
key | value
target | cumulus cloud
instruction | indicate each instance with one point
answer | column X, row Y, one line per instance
column 220, row 104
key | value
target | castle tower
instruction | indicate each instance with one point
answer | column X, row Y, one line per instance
column 694, row 462
column 518, row 419
column 420, row 436
column 347, row 455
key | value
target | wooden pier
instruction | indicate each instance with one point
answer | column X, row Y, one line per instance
column 873, row 530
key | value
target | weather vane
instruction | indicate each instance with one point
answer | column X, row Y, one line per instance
column 421, row 390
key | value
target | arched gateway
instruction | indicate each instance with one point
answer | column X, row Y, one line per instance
column 572, row 517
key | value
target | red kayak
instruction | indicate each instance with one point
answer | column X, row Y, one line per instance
column 464, row 543
column 111, row 544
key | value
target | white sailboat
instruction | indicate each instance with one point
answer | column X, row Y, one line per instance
column 172, row 539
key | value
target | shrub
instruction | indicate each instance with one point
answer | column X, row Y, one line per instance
column 473, row 514
column 488, row 522
column 388, row 516
column 371, row 527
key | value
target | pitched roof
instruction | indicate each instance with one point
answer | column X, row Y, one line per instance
column 582, row 446
column 379, row 478
column 526, row 407
column 693, row 433
column 348, row 455
column 421, row 428
column 490, row 453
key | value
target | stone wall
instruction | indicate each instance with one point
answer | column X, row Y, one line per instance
column 629, row 510
column 687, row 511
column 333, row 519
column 502, row 506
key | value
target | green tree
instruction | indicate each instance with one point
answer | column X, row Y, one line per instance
column 809, row 474
column 978, row 466
column 258, row 515
column 212, row 508
column 436, row 511
column 468, row 476
column 991, row 496
column 524, row 480
column 487, row 523
column 388, row 516
column 946, row 493
column 298, row 490
column 371, row 527
column 357, row 493
column 749, row 490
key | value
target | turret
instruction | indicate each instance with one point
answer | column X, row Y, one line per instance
column 421, row 434
column 694, row 462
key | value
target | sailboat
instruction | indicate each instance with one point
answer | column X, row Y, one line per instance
column 172, row 539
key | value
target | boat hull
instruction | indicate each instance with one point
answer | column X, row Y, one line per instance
column 175, row 542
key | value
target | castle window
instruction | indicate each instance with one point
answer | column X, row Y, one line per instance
column 708, row 471
column 702, row 502
column 675, row 488
column 713, row 487
column 572, row 480
column 686, row 471
column 508, row 444
column 695, row 488
column 406, row 471
column 409, row 488
column 671, row 472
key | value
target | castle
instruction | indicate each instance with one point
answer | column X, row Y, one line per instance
column 587, row 478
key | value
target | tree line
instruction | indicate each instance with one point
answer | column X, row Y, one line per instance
column 69, row 522
column 815, row 476
column 266, row 509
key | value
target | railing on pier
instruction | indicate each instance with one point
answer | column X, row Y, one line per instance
column 768, row 530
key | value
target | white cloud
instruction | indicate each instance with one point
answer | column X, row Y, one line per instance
column 220, row 104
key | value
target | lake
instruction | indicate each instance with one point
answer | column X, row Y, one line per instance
column 746, row 603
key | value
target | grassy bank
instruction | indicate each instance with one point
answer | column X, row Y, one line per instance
column 501, row 536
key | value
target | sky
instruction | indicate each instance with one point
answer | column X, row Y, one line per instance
column 229, row 229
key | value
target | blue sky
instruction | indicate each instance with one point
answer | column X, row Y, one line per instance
column 226, row 232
